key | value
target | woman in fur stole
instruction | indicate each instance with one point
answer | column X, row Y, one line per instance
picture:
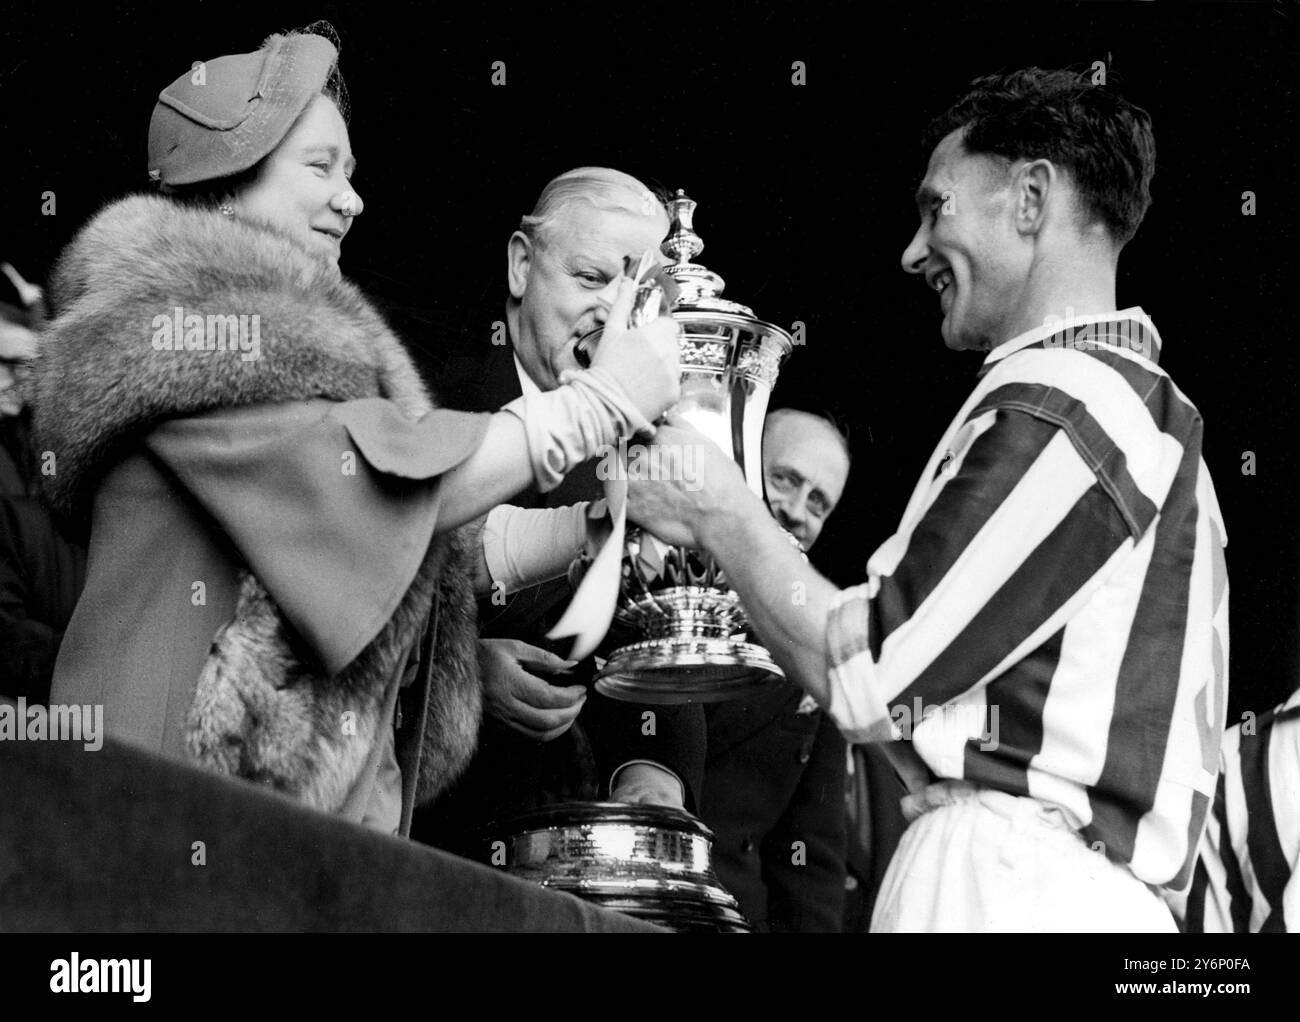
column 278, row 586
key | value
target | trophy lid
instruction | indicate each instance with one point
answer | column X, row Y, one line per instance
column 698, row 288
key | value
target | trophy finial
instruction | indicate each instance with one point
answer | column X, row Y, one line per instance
column 682, row 243
column 692, row 645
column 697, row 287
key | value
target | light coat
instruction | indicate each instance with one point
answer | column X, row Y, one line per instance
column 263, row 574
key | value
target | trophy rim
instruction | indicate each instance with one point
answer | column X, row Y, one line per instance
column 652, row 671
column 558, row 815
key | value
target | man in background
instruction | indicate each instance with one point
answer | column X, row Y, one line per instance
column 42, row 570
column 774, row 774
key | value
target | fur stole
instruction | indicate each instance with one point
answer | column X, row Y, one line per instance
column 262, row 709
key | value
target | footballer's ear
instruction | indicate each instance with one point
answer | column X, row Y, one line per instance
column 1034, row 184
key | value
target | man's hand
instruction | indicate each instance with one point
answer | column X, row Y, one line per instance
column 646, row 784
column 689, row 489
column 514, row 695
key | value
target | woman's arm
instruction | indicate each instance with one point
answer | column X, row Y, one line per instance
column 494, row 473
column 517, row 548
column 634, row 377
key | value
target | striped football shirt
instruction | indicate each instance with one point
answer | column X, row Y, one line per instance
column 1051, row 617
column 1245, row 879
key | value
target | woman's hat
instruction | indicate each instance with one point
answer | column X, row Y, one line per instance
column 223, row 115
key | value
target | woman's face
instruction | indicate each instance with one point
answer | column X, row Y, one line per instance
column 304, row 186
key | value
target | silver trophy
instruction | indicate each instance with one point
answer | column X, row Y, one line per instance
column 650, row 862
column 686, row 626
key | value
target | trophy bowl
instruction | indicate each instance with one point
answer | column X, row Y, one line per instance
column 650, row 862
column 683, row 630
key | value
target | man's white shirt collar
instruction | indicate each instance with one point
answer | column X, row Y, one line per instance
column 526, row 385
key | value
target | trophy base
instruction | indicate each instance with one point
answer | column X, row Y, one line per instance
column 667, row 671
column 646, row 861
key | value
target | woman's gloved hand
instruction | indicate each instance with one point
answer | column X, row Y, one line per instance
column 643, row 360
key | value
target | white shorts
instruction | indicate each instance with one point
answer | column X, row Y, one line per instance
column 978, row 860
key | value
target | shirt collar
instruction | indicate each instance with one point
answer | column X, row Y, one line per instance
column 1128, row 328
column 526, row 384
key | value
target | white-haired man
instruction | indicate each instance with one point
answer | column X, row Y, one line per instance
column 563, row 267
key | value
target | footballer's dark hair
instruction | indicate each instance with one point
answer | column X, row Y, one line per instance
column 1103, row 141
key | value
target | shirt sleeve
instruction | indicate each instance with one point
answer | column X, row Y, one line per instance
column 524, row 547
column 676, row 742
column 613, row 779
column 331, row 504
column 1017, row 535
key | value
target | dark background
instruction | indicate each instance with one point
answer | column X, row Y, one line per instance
column 804, row 197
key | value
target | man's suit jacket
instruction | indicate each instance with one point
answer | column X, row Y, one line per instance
column 42, row 572
column 876, row 826
column 774, row 797
column 512, row 773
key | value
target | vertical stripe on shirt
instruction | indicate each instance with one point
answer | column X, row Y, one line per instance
column 1150, row 672
column 1272, row 871
column 996, row 463
column 1019, row 695
column 1056, row 569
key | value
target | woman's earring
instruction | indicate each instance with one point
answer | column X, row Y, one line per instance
column 226, row 209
